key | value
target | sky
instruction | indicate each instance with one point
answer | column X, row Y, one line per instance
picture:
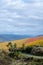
column 24, row 17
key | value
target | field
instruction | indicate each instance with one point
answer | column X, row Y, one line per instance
column 27, row 42
column 15, row 56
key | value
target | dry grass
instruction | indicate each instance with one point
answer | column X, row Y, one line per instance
column 27, row 42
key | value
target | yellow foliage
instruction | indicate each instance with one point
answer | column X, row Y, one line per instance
column 3, row 45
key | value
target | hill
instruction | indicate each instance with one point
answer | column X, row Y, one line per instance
column 9, row 37
column 27, row 42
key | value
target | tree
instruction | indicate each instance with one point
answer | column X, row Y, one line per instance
column 23, row 48
column 13, row 52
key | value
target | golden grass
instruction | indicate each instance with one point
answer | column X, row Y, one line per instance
column 3, row 45
column 20, row 42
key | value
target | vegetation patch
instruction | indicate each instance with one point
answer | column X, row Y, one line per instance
column 25, row 55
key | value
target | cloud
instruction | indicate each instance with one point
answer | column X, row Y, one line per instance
column 36, row 17
column 16, row 4
column 21, row 16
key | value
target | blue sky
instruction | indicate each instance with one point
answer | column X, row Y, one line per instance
column 21, row 17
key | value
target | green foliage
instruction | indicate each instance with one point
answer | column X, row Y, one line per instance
column 25, row 49
column 6, row 60
column 28, row 50
column 34, row 50
column 13, row 51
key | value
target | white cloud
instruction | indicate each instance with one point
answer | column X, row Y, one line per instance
column 36, row 17
column 16, row 4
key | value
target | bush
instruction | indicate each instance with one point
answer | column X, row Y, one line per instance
column 37, row 51
column 28, row 49
column 13, row 51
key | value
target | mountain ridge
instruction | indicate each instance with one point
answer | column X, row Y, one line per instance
column 10, row 37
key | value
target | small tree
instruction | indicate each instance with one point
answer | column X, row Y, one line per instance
column 23, row 48
column 13, row 52
column 10, row 47
column 15, row 46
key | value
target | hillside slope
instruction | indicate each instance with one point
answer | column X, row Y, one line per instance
column 27, row 42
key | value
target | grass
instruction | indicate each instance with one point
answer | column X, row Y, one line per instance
column 27, row 42
column 32, row 56
column 19, row 62
column 25, row 59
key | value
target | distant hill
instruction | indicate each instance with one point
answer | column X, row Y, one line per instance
column 9, row 37
column 26, row 41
